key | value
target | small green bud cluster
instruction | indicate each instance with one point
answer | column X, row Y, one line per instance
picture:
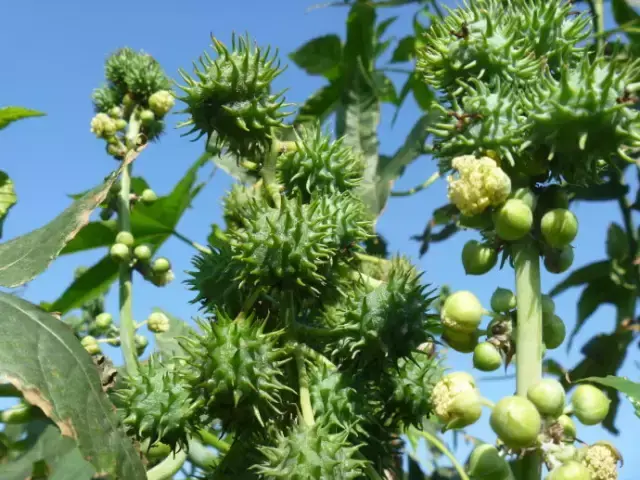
column 131, row 106
column 124, row 250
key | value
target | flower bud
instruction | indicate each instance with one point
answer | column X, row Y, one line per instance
column 456, row 400
column 116, row 151
column 161, row 265
column 115, row 113
column 548, row 305
column 548, row 396
column 148, row 196
column 559, row 261
column 513, row 220
column 90, row 344
column 590, row 404
column 147, row 117
column 601, row 459
column 161, row 102
column 486, row 357
column 570, row 471
column 486, row 463
column 141, row 343
column 162, row 279
column 103, row 126
column 104, row 320
column 559, row 227
column 553, row 330
column 462, row 342
column 142, row 253
column 121, row 124
column 478, row 259
column 462, row 312
column 120, row 252
column 503, row 300
column 125, row 238
column 158, row 322
column 516, row 421
column 568, row 427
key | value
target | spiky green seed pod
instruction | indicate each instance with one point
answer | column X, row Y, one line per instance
column 155, row 404
column 136, row 73
column 387, row 322
column 105, row 98
column 237, row 203
column 237, row 370
column 230, row 97
column 480, row 40
column 333, row 398
column 582, row 117
column 319, row 164
column 311, row 453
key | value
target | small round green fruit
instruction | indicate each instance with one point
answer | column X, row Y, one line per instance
column 143, row 253
column 478, row 258
column 90, row 344
column 590, row 404
column 559, row 261
column 503, row 300
column 462, row 312
column 486, row 463
column 104, row 320
column 570, row 471
column 141, row 343
column 513, row 220
column 120, row 252
column 148, row 196
column 161, row 265
column 548, row 305
column 462, row 342
column 553, row 330
column 559, row 227
column 516, row 421
column 147, row 116
column 486, row 357
column 568, row 427
column 548, row 396
column 527, row 196
column 115, row 113
column 125, row 238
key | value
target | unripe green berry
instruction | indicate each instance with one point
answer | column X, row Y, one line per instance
column 104, row 320
column 568, row 427
column 128, row 101
column 148, row 196
column 570, row 471
column 553, row 330
column 590, row 404
column 554, row 196
column 162, row 279
column 143, row 253
column 548, row 305
column 503, row 300
column 158, row 322
column 90, row 344
column 477, row 258
column 513, row 220
column 141, row 343
column 115, row 113
column 462, row 342
column 486, row 357
column 516, row 421
column 462, row 312
column 161, row 265
column 486, row 463
column 147, row 116
column 527, row 196
column 559, row 227
column 548, row 396
column 125, row 238
column 559, row 261
column 121, row 124
column 120, row 252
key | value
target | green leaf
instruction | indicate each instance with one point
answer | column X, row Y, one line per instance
column 385, row 89
column 597, row 293
column 404, row 52
column 167, row 343
column 623, row 385
column 624, row 13
column 41, row 357
column 11, row 114
column 320, row 104
column 384, row 25
column 415, row 472
column 580, row 276
column 22, row 258
column 320, row 56
column 8, row 197
column 617, row 245
column 422, row 94
column 93, row 235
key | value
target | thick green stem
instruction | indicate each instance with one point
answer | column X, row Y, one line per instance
column 168, row 467
column 305, row 397
column 435, row 441
column 529, row 333
column 212, row 440
column 127, row 324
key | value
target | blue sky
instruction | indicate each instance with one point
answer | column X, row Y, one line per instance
column 53, row 55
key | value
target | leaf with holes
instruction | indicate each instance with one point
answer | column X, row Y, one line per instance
column 41, row 357
column 23, row 258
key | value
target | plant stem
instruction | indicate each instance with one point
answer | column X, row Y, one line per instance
column 426, row 184
column 196, row 245
column 303, row 384
column 212, row 440
column 435, row 441
column 166, row 469
column 529, row 332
